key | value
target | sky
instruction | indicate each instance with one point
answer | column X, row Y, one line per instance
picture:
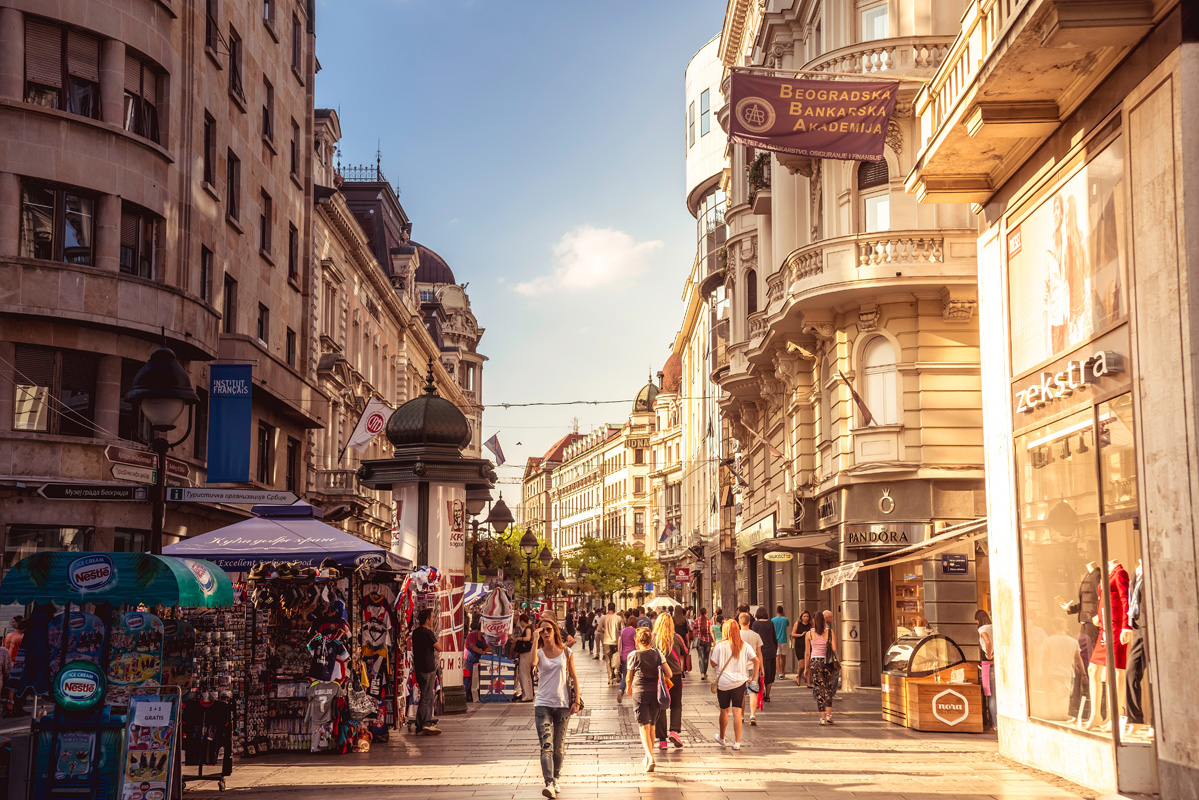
column 538, row 147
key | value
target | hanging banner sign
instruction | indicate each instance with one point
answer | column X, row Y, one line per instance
column 229, row 437
column 846, row 120
column 839, row 575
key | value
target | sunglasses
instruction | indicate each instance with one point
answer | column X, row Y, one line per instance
column 547, row 630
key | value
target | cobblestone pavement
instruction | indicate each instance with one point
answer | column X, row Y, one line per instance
column 492, row 752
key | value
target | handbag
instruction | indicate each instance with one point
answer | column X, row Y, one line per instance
column 663, row 690
column 716, row 680
column 360, row 702
column 572, row 688
column 830, row 658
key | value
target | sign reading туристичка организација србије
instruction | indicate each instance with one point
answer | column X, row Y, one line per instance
column 845, row 119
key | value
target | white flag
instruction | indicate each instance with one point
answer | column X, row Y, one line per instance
column 370, row 424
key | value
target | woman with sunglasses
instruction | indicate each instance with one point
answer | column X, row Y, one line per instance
column 552, row 704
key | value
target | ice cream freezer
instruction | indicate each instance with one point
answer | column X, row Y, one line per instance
column 929, row 685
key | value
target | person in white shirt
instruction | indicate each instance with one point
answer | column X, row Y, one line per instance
column 754, row 640
column 609, row 627
column 735, row 661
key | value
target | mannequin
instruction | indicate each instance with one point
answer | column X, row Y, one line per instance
column 1117, row 578
column 1136, row 686
column 1085, row 608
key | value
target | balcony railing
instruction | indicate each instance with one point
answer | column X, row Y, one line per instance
column 720, row 345
column 867, row 250
column 757, row 325
column 337, row 481
column 908, row 54
column 776, row 287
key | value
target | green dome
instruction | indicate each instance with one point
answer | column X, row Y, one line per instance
column 645, row 398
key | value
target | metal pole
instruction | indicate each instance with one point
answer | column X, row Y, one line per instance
column 158, row 500
column 528, row 581
column 474, row 552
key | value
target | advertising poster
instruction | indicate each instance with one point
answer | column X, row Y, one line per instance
column 1065, row 263
column 178, row 642
column 447, row 552
column 150, row 729
column 85, row 639
column 229, row 399
column 134, row 655
column 74, row 755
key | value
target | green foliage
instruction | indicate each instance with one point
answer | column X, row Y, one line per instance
column 502, row 552
column 613, row 567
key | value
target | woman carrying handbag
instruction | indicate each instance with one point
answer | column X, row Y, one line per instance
column 645, row 666
column 555, row 701
column 821, row 665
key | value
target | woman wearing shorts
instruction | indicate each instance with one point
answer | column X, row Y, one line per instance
column 642, row 679
column 734, row 661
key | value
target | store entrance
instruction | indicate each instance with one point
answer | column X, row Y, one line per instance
column 875, row 624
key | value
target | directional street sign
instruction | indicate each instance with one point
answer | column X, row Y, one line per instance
column 92, row 491
column 243, row 497
column 124, row 472
column 144, row 458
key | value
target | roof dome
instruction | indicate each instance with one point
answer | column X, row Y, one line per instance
column 672, row 374
column 433, row 268
column 428, row 420
column 645, row 398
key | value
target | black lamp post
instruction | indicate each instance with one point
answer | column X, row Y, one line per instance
column 475, row 500
column 583, row 573
column 545, row 558
column 528, row 545
column 163, row 391
column 555, row 569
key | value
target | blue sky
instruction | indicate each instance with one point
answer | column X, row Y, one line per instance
column 538, row 148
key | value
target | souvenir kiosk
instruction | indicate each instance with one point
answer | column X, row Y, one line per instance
column 101, row 636
column 929, row 685
column 320, row 669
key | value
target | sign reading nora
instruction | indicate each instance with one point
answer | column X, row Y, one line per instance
column 79, row 686
column 844, row 119
column 91, row 573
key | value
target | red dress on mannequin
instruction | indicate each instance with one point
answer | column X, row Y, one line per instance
column 1117, row 583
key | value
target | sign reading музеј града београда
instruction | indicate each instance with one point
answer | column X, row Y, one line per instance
column 844, row 119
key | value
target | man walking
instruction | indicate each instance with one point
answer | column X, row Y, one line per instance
column 425, row 648
column 782, row 626
column 609, row 626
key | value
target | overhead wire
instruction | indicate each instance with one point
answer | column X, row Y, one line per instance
column 79, row 418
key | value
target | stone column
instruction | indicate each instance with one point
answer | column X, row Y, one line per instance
column 8, row 355
column 108, row 393
column 112, row 81
column 10, row 214
column 784, row 191
column 12, row 54
column 108, row 232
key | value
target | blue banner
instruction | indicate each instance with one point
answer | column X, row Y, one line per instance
column 229, row 432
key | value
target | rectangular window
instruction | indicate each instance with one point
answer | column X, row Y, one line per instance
column 268, row 11
column 705, row 117
column 25, row 540
column 293, row 465
column 268, row 110
column 129, row 540
column 874, row 23
column 266, row 454
column 209, row 149
column 229, row 307
column 43, row 64
column 58, row 59
column 141, row 99
column 127, row 416
column 293, row 252
column 297, row 44
column 212, row 34
column 83, row 74
column 264, row 224
column 691, row 124
column 56, row 224
column 290, row 349
column 233, row 186
column 54, row 391
column 295, row 148
column 206, row 265
column 264, row 324
column 877, row 213
column 235, row 57
column 200, row 438
column 638, row 485
column 137, row 241
column 639, row 456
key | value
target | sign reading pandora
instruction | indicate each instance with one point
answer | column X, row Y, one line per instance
column 1076, row 376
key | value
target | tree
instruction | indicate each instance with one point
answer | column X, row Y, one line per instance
column 612, row 566
column 502, row 552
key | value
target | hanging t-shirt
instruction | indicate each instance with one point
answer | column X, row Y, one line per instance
column 328, row 658
column 376, row 627
column 321, row 698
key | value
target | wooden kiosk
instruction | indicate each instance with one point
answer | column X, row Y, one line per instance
column 928, row 685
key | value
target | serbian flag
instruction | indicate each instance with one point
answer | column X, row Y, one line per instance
column 493, row 444
column 669, row 529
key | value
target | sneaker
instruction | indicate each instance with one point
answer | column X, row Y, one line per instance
column 719, row 740
column 557, row 788
column 550, row 791
column 753, row 720
column 430, row 732
column 619, row 698
column 675, row 739
column 662, row 745
column 736, row 745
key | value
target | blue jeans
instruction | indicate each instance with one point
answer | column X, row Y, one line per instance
column 551, row 731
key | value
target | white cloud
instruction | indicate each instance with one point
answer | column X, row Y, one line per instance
column 589, row 258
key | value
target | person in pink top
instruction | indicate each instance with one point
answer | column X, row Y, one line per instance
column 818, row 643
column 628, row 645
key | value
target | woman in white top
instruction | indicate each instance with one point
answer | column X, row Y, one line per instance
column 735, row 661
column 552, row 704
column 818, row 642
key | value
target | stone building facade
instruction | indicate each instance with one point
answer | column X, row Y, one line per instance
column 835, row 279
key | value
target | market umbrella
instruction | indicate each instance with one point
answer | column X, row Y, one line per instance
column 661, row 602
column 117, row 578
column 283, row 533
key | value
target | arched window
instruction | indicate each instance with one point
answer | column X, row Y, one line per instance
column 874, row 196
column 751, row 291
column 879, row 382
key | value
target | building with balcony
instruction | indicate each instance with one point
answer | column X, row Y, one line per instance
column 155, row 188
column 835, row 279
column 371, row 339
column 536, row 483
column 1071, row 127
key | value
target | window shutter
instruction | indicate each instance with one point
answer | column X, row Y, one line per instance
column 133, row 75
column 83, row 56
column 79, row 372
column 128, row 228
column 43, row 54
column 872, row 173
column 149, row 85
column 36, row 364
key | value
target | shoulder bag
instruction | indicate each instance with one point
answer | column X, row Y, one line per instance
column 830, row 655
column 572, row 688
column 716, row 680
column 663, row 688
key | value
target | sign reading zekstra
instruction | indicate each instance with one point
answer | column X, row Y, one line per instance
column 827, row 119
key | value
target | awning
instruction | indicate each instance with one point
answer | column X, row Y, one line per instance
column 947, row 539
column 117, row 578
column 283, row 533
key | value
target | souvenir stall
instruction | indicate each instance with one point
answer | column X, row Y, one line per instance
column 320, row 669
column 106, row 659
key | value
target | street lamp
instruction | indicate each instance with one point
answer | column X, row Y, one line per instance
column 476, row 500
column 528, row 545
column 163, row 391
column 583, row 573
column 554, row 569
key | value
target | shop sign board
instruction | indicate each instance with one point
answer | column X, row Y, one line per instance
column 839, row 575
column 1074, row 376
column 951, row 707
column 778, row 555
column 144, row 458
column 92, row 491
column 79, row 686
column 955, row 564
column 883, row 535
column 759, row 531
column 682, row 575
